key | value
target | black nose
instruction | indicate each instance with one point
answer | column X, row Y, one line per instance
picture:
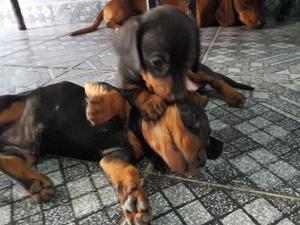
column 201, row 158
column 214, row 149
column 261, row 23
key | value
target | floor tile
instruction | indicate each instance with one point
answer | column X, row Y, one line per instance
column 85, row 205
column 79, row 187
column 5, row 213
column 263, row 211
column 159, row 204
column 25, row 208
column 59, row 215
column 236, row 218
column 265, row 179
column 108, row 196
column 218, row 204
column 178, row 194
column 95, row 219
column 36, row 219
column 194, row 213
column 170, row 218
column 284, row 170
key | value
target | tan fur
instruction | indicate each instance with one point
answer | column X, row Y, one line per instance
column 20, row 170
column 12, row 114
column 161, row 87
column 232, row 97
column 208, row 13
column 136, row 145
column 169, row 138
column 104, row 105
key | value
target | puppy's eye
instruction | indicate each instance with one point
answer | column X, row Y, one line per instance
column 159, row 64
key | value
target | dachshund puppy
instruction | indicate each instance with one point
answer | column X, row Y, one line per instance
column 234, row 12
column 56, row 120
column 159, row 55
column 206, row 12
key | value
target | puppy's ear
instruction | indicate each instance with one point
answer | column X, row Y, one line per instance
column 225, row 13
column 126, row 42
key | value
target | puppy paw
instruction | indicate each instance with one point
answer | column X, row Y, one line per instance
column 153, row 108
column 135, row 205
column 235, row 99
column 103, row 103
column 41, row 188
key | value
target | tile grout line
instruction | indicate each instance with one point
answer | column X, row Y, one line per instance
column 37, row 44
column 72, row 68
column 211, row 44
column 241, row 189
column 281, row 112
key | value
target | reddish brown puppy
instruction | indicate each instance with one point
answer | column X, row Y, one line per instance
column 207, row 12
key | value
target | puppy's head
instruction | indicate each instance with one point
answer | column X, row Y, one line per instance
column 182, row 136
column 247, row 11
column 160, row 46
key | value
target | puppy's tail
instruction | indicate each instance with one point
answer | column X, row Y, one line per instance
column 235, row 84
column 90, row 28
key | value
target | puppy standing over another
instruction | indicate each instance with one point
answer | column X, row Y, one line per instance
column 207, row 12
column 159, row 54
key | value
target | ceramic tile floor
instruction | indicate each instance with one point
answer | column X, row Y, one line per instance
column 257, row 179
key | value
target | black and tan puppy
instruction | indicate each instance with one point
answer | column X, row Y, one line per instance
column 159, row 55
column 56, row 120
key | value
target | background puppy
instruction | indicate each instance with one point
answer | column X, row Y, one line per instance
column 159, row 54
column 207, row 12
column 52, row 120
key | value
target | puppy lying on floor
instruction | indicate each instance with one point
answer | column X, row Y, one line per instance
column 206, row 12
column 56, row 120
column 159, row 60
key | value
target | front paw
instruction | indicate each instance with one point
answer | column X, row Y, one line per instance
column 153, row 108
column 41, row 188
column 135, row 205
column 235, row 99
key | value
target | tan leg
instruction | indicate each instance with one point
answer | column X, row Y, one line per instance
column 134, row 201
column 37, row 184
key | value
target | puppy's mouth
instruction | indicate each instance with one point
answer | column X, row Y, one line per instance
column 190, row 85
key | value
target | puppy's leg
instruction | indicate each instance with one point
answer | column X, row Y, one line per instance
column 126, row 178
column 151, row 106
column 232, row 97
column 104, row 103
column 17, row 164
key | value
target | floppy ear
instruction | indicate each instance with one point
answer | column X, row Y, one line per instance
column 126, row 42
column 225, row 13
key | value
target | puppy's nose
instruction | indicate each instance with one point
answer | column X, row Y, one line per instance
column 201, row 158
column 178, row 96
column 260, row 23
